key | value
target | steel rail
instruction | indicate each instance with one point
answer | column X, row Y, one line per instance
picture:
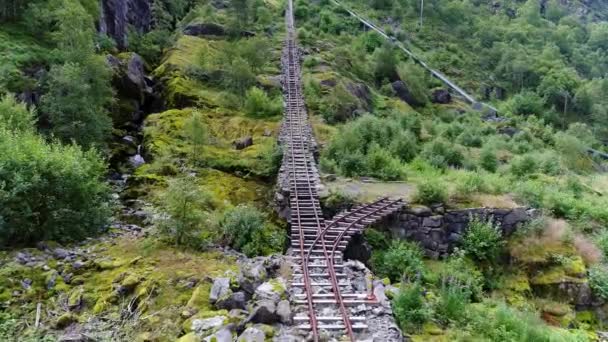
column 292, row 95
column 331, row 270
column 306, row 279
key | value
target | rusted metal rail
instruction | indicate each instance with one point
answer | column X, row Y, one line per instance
column 316, row 244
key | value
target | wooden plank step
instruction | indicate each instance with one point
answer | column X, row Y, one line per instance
column 330, row 318
column 297, row 274
column 357, row 326
column 331, row 295
column 333, row 301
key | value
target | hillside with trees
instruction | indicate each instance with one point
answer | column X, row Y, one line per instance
column 139, row 159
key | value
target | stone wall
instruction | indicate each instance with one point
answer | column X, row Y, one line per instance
column 438, row 230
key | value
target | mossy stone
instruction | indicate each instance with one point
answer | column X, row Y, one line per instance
column 431, row 328
column 75, row 299
column 189, row 337
column 130, row 282
column 65, row 320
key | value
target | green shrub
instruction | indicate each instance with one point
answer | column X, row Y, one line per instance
column 462, row 272
column 15, row 329
column 471, row 136
column 601, row 240
column 527, row 103
column 182, row 216
column 503, row 323
column 488, row 160
column 382, row 165
column 271, row 156
column 238, row 76
column 376, row 239
column 598, row 280
column 524, row 165
column 470, row 183
column 573, row 152
column 248, row 230
column 15, row 116
column 385, row 63
column 410, row 309
column 442, row 154
column 401, row 260
column 340, row 104
column 404, row 146
column 453, row 299
column 352, row 164
column 77, row 101
column 49, row 191
column 259, row 105
column 416, row 80
column 531, row 192
column 482, row 240
column 431, row 191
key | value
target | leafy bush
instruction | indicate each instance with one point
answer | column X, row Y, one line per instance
column 470, row 183
column 527, row 103
column 15, row 116
column 503, row 323
column 601, row 240
column 183, row 212
column 247, row 230
column 385, row 63
column 488, row 160
column 462, row 271
column 598, row 280
column 453, row 299
column 259, row 105
column 49, row 191
column 470, row 137
column 410, row 309
column 371, row 146
column 431, row 191
column 416, row 80
column 404, row 146
column 14, row 329
column 382, row 165
column 442, row 154
column 401, row 260
column 77, row 101
column 340, row 105
column 238, row 75
column 482, row 240
column 376, row 239
column 524, row 165
column 573, row 152
column 336, row 202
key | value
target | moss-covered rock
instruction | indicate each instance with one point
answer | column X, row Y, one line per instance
column 555, row 313
column 189, row 337
column 65, row 320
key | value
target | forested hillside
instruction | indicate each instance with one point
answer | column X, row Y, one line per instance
column 139, row 160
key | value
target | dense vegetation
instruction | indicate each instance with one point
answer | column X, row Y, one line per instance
column 541, row 67
column 211, row 155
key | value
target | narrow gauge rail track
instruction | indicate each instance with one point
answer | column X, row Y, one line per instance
column 317, row 244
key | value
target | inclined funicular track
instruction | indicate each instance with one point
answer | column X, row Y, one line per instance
column 317, row 245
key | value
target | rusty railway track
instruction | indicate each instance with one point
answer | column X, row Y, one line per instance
column 316, row 244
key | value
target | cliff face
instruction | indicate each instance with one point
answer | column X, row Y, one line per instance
column 118, row 15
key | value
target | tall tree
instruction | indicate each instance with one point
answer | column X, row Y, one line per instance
column 79, row 89
column 197, row 134
column 77, row 101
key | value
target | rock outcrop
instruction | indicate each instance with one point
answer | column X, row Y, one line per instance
column 403, row 92
column 442, row 96
column 118, row 15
